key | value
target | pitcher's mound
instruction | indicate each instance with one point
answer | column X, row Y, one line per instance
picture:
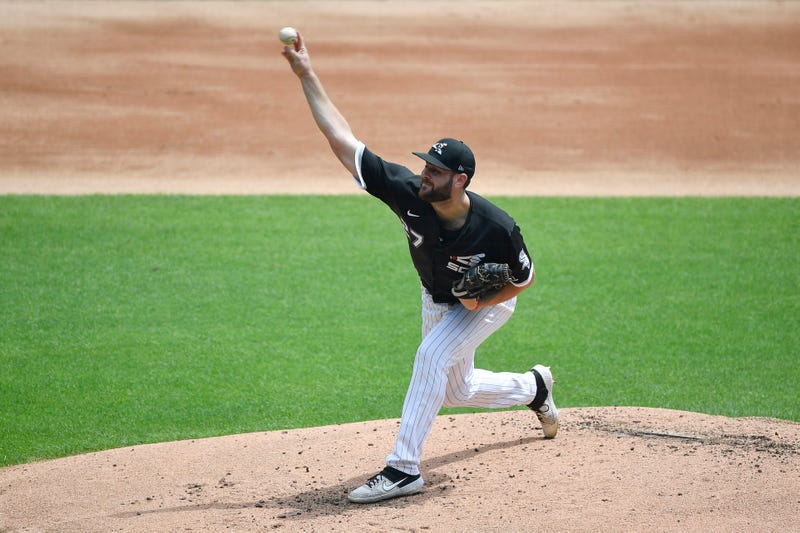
column 608, row 469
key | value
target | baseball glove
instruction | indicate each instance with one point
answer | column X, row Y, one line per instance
column 482, row 280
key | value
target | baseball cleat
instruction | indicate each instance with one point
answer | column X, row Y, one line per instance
column 388, row 483
column 543, row 404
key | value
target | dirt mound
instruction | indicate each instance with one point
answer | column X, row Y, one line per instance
column 608, row 469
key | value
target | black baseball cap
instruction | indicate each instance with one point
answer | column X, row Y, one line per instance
column 451, row 154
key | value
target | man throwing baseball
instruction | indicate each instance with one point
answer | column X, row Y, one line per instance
column 472, row 263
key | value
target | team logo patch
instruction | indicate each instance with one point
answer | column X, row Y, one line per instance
column 461, row 264
column 438, row 147
column 524, row 260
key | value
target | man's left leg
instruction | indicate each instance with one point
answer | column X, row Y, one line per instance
column 452, row 342
column 448, row 345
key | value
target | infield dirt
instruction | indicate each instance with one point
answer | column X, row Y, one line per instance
column 555, row 98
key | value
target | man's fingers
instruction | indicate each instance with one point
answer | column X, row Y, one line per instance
column 291, row 52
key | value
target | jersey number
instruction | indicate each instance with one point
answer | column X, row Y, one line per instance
column 413, row 237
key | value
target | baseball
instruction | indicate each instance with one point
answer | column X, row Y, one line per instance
column 288, row 35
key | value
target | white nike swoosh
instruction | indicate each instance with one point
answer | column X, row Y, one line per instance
column 409, row 213
column 387, row 488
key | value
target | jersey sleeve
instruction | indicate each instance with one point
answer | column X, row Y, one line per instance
column 359, row 154
column 375, row 175
column 521, row 264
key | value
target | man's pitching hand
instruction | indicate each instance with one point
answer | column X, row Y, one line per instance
column 297, row 56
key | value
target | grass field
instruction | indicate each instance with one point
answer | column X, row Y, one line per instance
column 132, row 319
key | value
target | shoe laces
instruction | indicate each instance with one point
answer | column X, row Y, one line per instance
column 374, row 480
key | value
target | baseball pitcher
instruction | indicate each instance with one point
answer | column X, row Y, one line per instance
column 472, row 263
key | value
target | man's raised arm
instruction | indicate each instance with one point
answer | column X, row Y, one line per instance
column 328, row 118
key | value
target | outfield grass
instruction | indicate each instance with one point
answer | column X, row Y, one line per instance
column 132, row 319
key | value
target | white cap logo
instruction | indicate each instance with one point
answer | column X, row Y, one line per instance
column 438, row 147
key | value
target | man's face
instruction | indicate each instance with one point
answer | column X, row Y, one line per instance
column 436, row 184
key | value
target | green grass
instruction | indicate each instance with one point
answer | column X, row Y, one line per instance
column 132, row 319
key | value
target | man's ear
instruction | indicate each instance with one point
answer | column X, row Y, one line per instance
column 461, row 180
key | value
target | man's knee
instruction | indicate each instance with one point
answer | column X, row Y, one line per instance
column 438, row 353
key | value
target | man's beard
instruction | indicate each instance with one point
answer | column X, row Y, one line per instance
column 436, row 195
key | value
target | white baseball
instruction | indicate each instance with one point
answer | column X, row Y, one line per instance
column 288, row 35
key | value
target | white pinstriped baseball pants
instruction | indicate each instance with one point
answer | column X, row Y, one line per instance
column 444, row 374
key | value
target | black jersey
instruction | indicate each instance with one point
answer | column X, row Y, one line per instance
column 489, row 235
